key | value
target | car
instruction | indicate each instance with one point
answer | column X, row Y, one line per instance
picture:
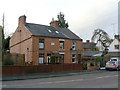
column 114, row 65
column 114, row 59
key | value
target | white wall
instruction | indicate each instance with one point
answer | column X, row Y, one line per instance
column 112, row 46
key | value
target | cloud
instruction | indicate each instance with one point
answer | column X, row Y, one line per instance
column 83, row 16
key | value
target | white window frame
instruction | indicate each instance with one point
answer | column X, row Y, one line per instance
column 73, row 45
column 41, row 44
column 118, row 47
column 74, row 58
column 41, row 59
column 61, row 45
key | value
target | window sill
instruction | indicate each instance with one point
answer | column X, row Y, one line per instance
column 41, row 49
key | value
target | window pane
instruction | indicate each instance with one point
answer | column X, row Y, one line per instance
column 41, row 40
column 74, row 58
column 41, row 43
column 61, row 44
column 116, row 46
column 41, row 60
column 73, row 45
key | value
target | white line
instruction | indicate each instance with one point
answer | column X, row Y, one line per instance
column 106, row 76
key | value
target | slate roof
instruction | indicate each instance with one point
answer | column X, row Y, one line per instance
column 89, row 45
column 114, row 54
column 90, row 53
column 43, row 30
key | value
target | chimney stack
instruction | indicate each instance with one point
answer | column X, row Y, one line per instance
column 54, row 23
column 22, row 20
column 87, row 41
column 117, row 36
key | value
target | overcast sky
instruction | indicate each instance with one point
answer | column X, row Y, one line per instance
column 83, row 16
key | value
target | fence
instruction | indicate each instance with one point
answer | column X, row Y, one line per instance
column 17, row 59
column 22, row 70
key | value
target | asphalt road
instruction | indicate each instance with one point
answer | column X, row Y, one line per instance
column 108, row 79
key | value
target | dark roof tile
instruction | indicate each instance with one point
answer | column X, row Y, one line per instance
column 43, row 30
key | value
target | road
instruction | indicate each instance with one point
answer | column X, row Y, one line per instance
column 108, row 79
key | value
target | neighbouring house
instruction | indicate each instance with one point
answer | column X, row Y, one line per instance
column 89, row 46
column 89, row 50
column 38, row 42
column 114, row 48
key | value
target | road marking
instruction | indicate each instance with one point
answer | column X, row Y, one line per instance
column 106, row 76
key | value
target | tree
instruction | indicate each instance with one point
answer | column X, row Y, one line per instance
column 6, row 43
column 62, row 21
column 101, row 36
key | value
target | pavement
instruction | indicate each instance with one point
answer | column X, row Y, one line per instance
column 47, row 75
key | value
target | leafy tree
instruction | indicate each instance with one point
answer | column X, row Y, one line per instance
column 99, row 59
column 62, row 21
column 84, row 66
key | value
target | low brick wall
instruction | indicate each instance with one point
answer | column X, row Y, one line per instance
column 95, row 67
column 21, row 70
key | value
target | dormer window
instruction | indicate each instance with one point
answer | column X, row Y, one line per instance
column 57, row 32
column 116, row 46
column 49, row 30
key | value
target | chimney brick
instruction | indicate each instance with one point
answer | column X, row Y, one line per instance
column 117, row 36
column 54, row 23
column 22, row 20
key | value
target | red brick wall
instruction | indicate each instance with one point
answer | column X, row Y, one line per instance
column 49, row 48
column 20, row 70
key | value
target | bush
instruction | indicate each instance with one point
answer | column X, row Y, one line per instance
column 99, row 59
column 52, row 59
column 84, row 66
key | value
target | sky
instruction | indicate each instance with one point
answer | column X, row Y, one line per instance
column 83, row 16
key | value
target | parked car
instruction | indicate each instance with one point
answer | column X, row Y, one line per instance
column 114, row 59
column 115, row 65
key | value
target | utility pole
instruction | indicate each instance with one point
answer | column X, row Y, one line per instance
column 113, row 27
column 3, row 24
column 3, row 28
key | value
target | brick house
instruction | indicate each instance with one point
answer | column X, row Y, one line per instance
column 38, row 42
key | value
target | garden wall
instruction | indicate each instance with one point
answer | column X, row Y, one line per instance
column 22, row 70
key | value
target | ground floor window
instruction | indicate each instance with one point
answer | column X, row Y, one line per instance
column 41, row 58
column 73, row 58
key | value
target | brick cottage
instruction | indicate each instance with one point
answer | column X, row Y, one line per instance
column 38, row 42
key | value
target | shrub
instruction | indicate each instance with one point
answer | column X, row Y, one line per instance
column 84, row 66
column 52, row 59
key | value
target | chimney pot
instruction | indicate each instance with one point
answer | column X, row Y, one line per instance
column 117, row 36
column 54, row 23
column 87, row 41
